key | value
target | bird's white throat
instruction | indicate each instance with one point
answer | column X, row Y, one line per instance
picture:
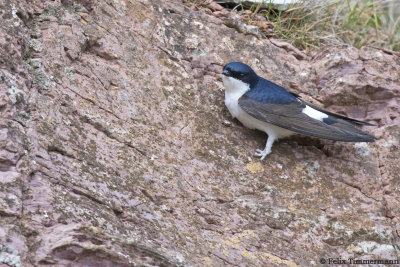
column 233, row 85
column 234, row 89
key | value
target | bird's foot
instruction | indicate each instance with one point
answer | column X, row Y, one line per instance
column 262, row 153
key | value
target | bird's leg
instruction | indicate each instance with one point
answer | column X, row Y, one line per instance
column 267, row 149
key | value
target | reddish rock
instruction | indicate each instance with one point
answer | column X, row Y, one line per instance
column 215, row 6
column 116, row 147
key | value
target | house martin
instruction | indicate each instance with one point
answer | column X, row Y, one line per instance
column 263, row 105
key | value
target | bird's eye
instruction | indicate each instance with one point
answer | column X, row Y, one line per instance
column 241, row 74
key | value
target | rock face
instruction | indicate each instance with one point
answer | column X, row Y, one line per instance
column 117, row 149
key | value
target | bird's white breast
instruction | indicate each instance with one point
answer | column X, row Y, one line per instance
column 234, row 89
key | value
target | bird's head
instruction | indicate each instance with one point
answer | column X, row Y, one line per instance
column 239, row 71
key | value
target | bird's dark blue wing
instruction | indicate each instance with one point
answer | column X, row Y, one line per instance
column 290, row 116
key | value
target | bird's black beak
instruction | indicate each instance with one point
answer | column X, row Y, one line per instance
column 226, row 72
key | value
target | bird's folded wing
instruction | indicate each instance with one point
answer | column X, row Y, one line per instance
column 352, row 121
column 291, row 117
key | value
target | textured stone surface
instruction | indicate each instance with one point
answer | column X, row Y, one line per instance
column 116, row 148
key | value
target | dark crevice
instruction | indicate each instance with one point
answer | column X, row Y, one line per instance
column 6, row 214
column 307, row 141
column 93, row 102
column 20, row 16
column 358, row 188
column 155, row 199
column 56, row 149
column 117, row 212
column 26, row 19
column 223, row 259
column 6, row 165
column 213, row 230
column 80, row 191
column 104, row 130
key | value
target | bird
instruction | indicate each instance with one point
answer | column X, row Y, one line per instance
column 263, row 105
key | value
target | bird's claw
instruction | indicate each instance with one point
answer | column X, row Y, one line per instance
column 261, row 153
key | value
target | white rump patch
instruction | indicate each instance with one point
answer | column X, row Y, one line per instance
column 313, row 113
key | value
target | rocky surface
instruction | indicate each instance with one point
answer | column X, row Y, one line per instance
column 117, row 150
